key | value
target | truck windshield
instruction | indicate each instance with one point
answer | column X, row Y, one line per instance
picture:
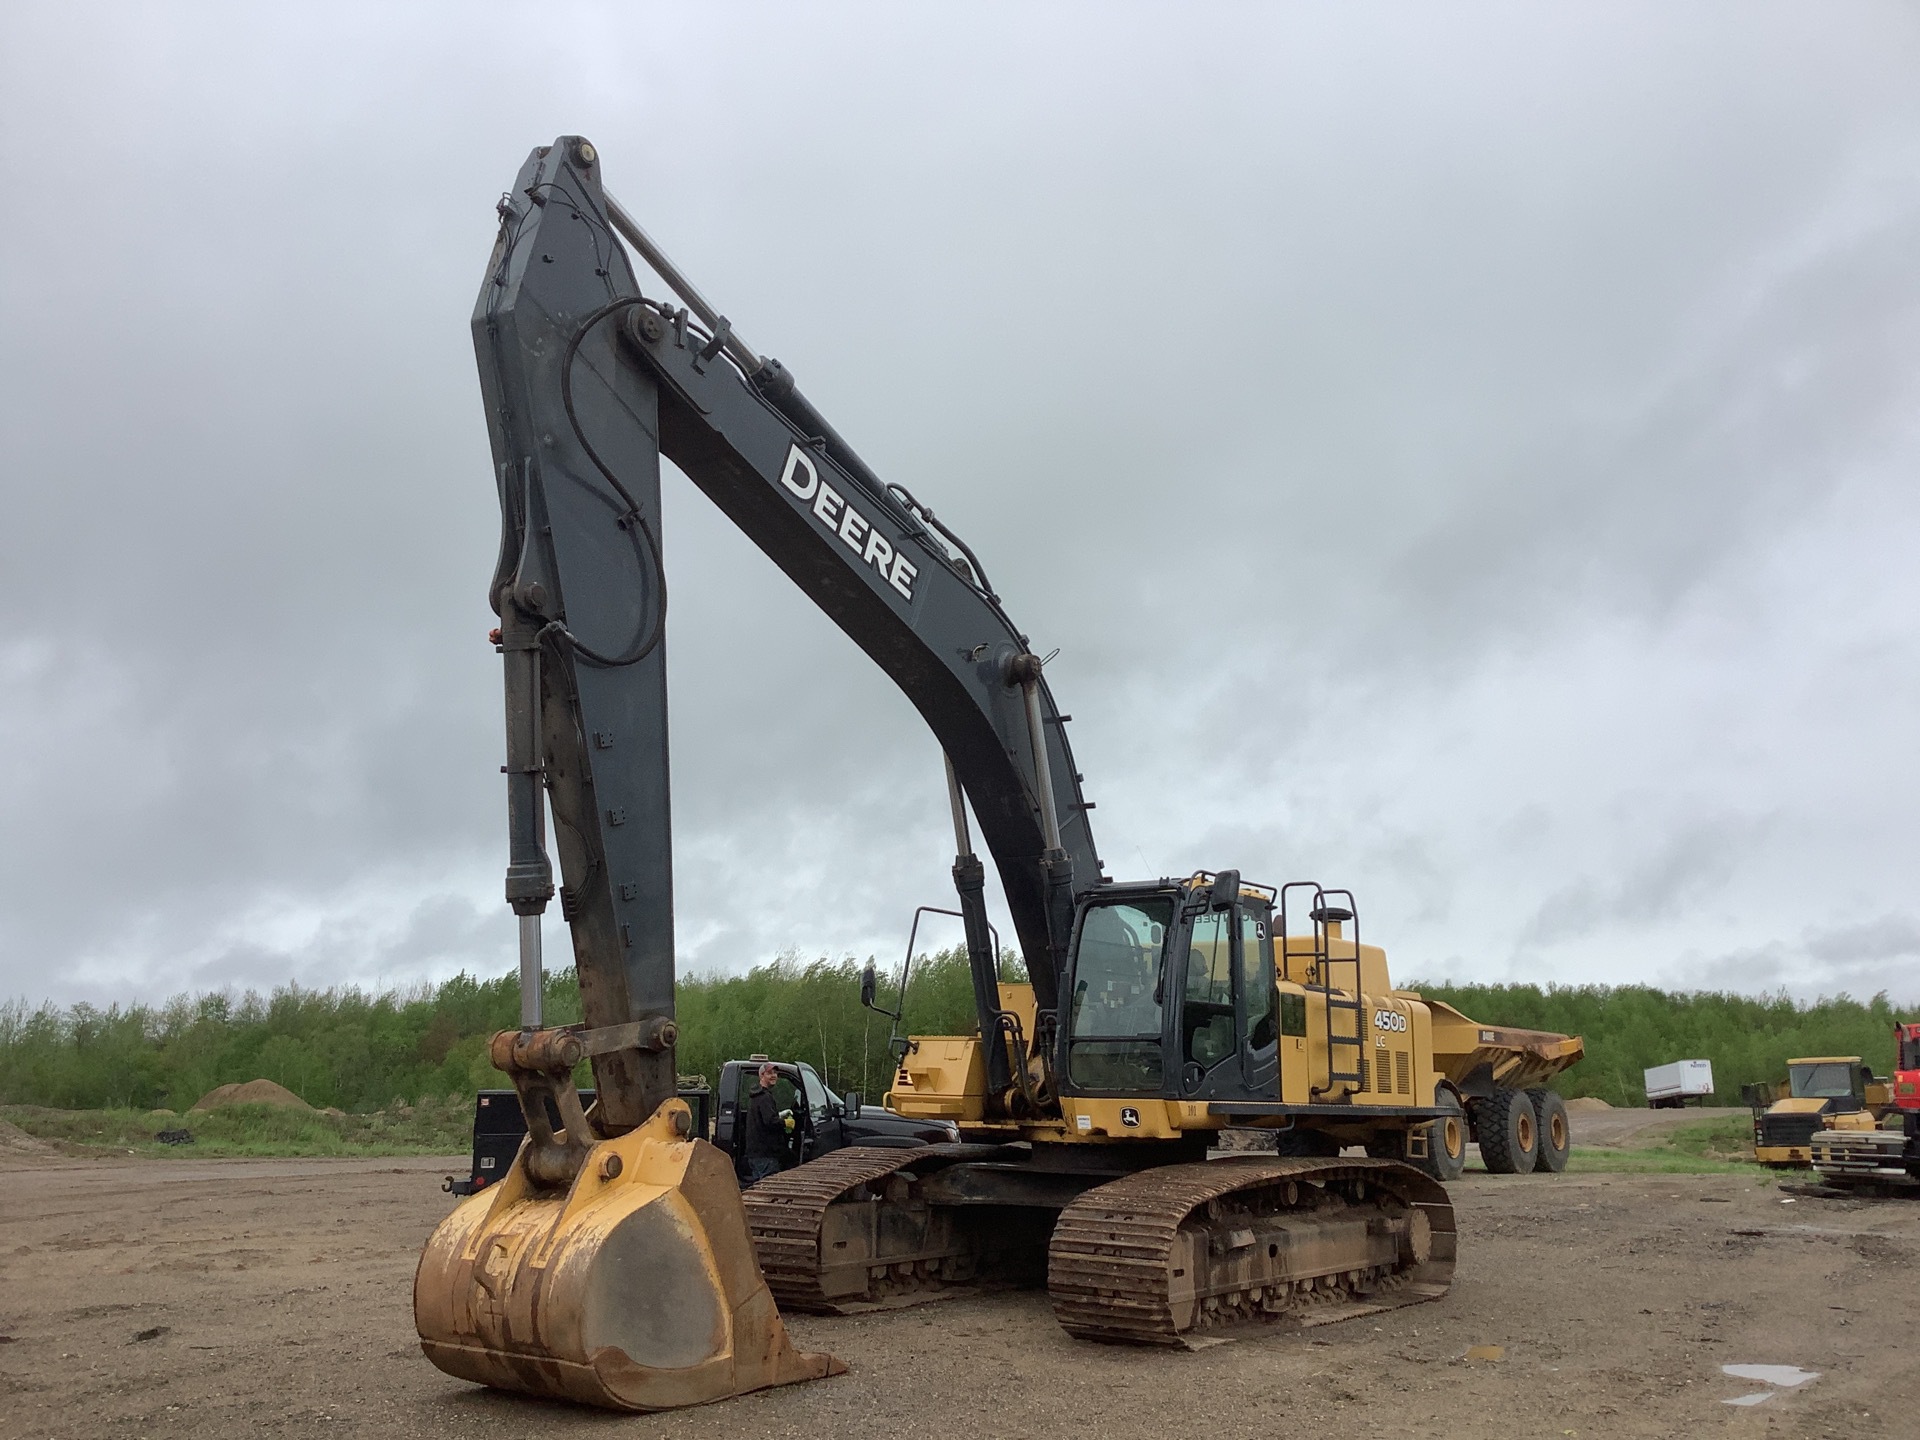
column 1821, row 1082
column 1115, row 1022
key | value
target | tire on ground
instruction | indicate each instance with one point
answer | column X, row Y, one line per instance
column 1509, row 1135
column 1554, row 1130
column 1446, row 1138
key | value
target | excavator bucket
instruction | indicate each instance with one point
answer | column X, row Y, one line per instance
column 635, row 1289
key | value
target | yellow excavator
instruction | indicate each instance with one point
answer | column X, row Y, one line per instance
column 618, row 1263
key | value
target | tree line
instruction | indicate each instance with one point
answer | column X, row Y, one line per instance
column 360, row 1052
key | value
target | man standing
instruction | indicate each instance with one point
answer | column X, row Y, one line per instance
column 766, row 1132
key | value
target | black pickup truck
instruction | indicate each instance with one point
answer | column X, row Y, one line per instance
column 819, row 1121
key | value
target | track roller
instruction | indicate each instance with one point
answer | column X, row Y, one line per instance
column 853, row 1231
column 1179, row 1253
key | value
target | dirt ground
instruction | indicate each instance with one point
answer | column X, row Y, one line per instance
column 229, row 1298
column 1627, row 1127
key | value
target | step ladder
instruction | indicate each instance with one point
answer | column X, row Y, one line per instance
column 1337, row 977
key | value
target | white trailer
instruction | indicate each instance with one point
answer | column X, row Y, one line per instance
column 1671, row 1086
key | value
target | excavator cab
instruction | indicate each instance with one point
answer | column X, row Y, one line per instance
column 1843, row 1082
column 1172, row 993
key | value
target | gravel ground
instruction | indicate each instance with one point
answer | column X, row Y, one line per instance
column 1626, row 1127
column 229, row 1298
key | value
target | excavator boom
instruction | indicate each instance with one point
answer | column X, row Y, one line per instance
column 587, row 381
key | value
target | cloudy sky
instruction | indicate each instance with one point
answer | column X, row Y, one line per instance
column 1463, row 453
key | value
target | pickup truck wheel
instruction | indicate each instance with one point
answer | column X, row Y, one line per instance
column 1556, row 1134
column 1509, row 1133
column 1446, row 1138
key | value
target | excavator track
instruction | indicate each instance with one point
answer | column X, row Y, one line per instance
column 1183, row 1254
column 848, row 1232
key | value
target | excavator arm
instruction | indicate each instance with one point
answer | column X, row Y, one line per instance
column 613, row 1263
column 587, row 383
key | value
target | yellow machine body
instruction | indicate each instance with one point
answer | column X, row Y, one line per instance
column 637, row 1288
column 1784, row 1130
column 1413, row 1047
column 1857, row 1120
column 1790, row 1154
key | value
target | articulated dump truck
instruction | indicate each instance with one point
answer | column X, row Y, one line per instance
column 617, row 1262
column 1498, row 1075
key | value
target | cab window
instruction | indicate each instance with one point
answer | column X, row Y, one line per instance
column 1114, row 1025
column 1206, row 1020
column 1257, row 978
column 1821, row 1082
column 1293, row 1013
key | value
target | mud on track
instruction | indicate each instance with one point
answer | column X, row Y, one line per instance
column 274, row 1296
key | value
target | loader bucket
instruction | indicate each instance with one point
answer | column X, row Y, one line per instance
column 635, row 1289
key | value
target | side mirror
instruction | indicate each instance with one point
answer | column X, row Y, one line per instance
column 869, row 983
column 1226, row 889
column 852, row 1103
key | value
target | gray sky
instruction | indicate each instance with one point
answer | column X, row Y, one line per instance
column 1463, row 453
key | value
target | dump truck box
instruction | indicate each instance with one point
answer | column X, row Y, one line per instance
column 1478, row 1058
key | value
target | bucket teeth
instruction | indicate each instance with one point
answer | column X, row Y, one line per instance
column 635, row 1289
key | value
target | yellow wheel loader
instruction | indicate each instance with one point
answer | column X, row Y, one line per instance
column 618, row 1263
column 1818, row 1089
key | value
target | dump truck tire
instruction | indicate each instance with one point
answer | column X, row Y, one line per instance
column 1446, row 1139
column 1509, row 1134
column 1554, row 1130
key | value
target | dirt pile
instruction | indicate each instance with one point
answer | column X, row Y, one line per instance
column 1587, row 1102
column 254, row 1092
column 15, row 1142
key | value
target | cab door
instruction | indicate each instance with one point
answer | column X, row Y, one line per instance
column 1259, row 1017
column 824, row 1130
column 1226, row 1032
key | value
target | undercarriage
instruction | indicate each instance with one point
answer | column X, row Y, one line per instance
column 1165, row 1254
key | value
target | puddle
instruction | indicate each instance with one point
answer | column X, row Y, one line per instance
column 1785, row 1377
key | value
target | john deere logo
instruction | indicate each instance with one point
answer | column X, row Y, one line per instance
column 1129, row 1117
